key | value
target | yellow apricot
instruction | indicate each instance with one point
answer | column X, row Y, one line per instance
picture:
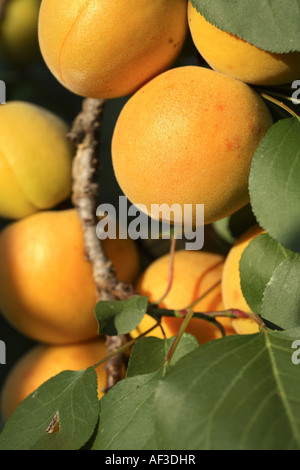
column 245, row 326
column 229, row 54
column 19, row 31
column 188, row 137
column 195, row 272
column 109, row 49
column 47, row 290
column 43, row 362
column 35, row 160
column 231, row 282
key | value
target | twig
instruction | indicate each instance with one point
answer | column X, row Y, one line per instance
column 125, row 346
column 233, row 313
column 86, row 166
column 273, row 100
column 171, row 271
column 186, row 319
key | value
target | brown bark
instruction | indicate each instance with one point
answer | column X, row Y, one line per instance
column 85, row 134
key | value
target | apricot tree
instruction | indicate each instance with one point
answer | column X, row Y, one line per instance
column 182, row 367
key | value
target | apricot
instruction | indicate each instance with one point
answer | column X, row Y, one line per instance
column 19, row 31
column 109, row 49
column 195, row 272
column 35, row 160
column 188, row 137
column 231, row 282
column 229, row 54
column 43, row 362
column 47, row 290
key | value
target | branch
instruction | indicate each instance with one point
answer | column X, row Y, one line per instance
column 85, row 134
column 86, row 166
column 157, row 313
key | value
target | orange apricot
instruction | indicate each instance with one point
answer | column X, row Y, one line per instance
column 47, row 291
column 43, row 362
column 229, row 54
column 195, row 272
column 109, row 49
column 231, row 282
column 188, row 137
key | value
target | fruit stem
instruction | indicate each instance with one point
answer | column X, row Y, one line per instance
column 171, row 271
column 210, row 316
column 188, row 316
column 201, row 297
column 285, row 97
column 233, row 313
column 124, row 347
column 280, row 103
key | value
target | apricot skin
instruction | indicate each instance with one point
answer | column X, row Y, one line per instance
column 188, row 137
column 231, row 282
column 109, row 49
column 194, row 273
column 19, row 31
column 47, row 291
column 35, row 160
column 237, row 58
column 42, row 362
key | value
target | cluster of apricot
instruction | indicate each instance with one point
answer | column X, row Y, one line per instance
column 47, row 291
column 187, row 135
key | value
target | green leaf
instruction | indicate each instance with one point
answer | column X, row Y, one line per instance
column 274, row 183
column 281, row 301
column 126, row 415
column 258, row 262
column 294, row 333
column 120, row 317
column 74, row 395
column 148, row 354
column 239, row 393
column 260, row 22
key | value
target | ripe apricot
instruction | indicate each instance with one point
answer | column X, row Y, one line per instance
column 195, row 272
column 229, row 54
column 231, row 282
column 109, row 49
column 42, row 362
column 47, row 290
column 188, row 137
column 35, row 160
column 19, row 31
